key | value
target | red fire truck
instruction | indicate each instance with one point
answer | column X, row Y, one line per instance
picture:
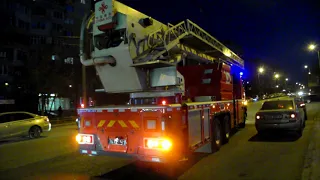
column 186, row 93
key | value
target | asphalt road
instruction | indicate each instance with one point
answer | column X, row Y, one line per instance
column 246, row 156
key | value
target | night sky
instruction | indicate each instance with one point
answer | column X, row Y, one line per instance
column 276, row 32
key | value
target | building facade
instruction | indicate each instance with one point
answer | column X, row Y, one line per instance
column 39, row 50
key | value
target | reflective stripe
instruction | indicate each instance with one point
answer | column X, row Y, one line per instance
column 133, row 124
column 111, row 123
column 101, row 123
column 122, row 124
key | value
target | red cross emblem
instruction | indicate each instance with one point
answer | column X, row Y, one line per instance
column 103, row 8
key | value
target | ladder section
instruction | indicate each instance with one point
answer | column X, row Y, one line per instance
column 184, row 35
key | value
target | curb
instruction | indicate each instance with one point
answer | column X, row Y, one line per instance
column 313, row 153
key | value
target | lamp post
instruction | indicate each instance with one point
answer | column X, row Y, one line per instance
column 276, row 77
column 260, row 71
column 313, row 47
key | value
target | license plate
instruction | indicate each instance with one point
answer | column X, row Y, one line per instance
column 118, row 141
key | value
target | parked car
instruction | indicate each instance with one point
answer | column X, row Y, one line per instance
column 16, row 124
column 284, row 114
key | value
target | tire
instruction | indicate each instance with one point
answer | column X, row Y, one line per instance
column 299, row 132
column 226, row 129
column 262, row 133
column 243, row 124
column 34, row 132
column 216, row 134
column 305, row 115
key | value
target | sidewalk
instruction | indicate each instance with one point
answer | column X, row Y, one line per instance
column 312, row 159
column 63, row 120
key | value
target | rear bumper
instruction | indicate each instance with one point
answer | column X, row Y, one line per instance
column 157, row 159
column 46, row 127
column 292, row 126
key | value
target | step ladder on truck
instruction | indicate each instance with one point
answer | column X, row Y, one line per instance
column 185, row 96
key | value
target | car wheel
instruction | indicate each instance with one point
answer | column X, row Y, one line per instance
column 299, row 132
column 34, row 132
column 226, row 130
column 217, row 134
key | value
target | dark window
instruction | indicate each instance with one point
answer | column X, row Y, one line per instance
column 6, row 118
column 22, row 116
column 21, row 55
column 281, row 104
column 13, row 21
column 42, row 25
column 39, row 11
column 34, row 25
column 21, row 24
column 27, row 26
column 69, row 8
column 59, row 27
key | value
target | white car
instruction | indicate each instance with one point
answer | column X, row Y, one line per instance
column 283, row 114
column 16, row 124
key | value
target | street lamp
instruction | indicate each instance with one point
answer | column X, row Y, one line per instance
column 6, row 84
column 305, row 66
column 261, row 70
column 276, row 76
column 313, row 47
column 287, row 79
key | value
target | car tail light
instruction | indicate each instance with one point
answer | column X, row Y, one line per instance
column 164, row 102
column 85, row 139
column 45, row 118
column 163, row 144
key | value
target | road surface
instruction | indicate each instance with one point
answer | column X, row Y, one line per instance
column 245, row 157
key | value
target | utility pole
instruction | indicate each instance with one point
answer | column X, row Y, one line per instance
column 84, row 86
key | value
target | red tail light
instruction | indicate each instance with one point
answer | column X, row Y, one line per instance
column 164, row 102
column 82, row 105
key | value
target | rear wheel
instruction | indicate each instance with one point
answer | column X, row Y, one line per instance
column 34, row 132
column 243, row 124
column 262, row 133
column 226, row 130
column 305, row 114
column 216, row 133
column 299, row 132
